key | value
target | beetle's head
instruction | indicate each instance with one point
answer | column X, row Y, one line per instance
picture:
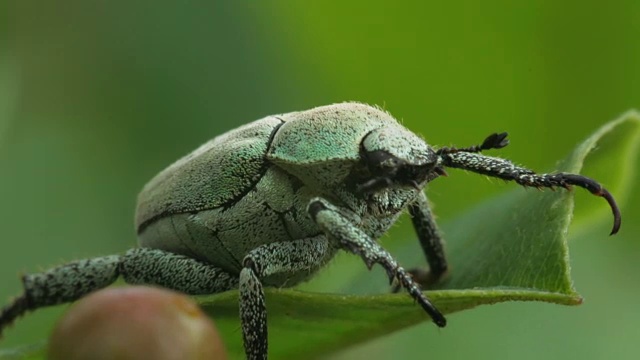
column 395, row 156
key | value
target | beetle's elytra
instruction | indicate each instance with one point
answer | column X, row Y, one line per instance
column 271, row 202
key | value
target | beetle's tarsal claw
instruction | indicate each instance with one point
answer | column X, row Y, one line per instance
column 596, row 189
column 617, row 218
column 434, row 313
column 14, row 310
column 392, row 276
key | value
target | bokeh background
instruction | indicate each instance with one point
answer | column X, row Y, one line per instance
column 96, row 97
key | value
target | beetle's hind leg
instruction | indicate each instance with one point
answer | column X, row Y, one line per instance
column 61, row 284
column 72, row 281
column 173, row 271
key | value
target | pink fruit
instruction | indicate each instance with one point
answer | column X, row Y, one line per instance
column 135, row 323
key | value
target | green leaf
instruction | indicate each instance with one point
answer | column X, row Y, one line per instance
column 510, row 248
column 27, row 352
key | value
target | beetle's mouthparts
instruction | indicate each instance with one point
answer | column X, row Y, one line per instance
column 374, row 184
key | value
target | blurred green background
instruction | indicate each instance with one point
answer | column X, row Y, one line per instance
column 96, row 97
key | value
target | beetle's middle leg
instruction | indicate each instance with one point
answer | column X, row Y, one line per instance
column 431, row 243
column 356, row 241
column 266, row 260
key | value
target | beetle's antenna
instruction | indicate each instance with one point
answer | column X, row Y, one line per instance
column 11, row 312
column 506, row 170
column 493, row 141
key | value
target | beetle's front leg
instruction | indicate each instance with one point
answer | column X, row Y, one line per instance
column 266, row 260
column 430, row 241
column 356, row 241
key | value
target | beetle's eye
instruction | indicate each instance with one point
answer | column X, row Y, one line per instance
column 381, row 162
column 410, row 172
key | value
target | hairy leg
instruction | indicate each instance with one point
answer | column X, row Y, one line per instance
column 72, row 281
column 431, row 243
column 270, row 259
column 354, row 240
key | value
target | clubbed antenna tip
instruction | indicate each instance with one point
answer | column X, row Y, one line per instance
column 495, row 141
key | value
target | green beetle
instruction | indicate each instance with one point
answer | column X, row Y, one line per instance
column 271, row 202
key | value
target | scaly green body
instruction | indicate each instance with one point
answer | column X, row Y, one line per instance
column 252, row 185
